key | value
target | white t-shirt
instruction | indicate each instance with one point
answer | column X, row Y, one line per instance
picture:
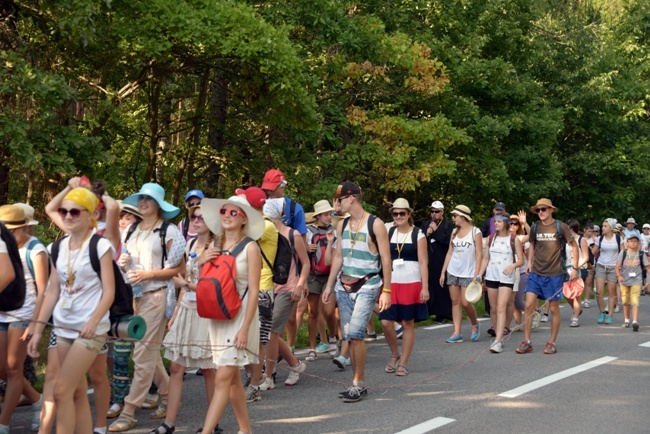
column 463, row 258
column 500, row 257
column 77, row 304
column 27, row 310
column 608, row 252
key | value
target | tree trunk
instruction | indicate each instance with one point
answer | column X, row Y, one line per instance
column 153, row 110
column 218, row 112
column 8, row 38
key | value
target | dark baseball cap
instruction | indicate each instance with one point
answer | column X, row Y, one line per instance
column 500, row 206
column 346, row 189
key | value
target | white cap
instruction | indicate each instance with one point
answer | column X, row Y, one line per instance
column 646, row 226
column 437, row 205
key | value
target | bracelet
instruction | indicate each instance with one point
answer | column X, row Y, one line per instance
column 386, row 290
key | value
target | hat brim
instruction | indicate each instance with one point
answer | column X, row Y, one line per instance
column 473, row 292
column 210, row 209
column 169, row 211
column 10, row 226
column 271, row 186
column 463, row 214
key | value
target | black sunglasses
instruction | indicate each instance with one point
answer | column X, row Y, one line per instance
column 436, row 211
column 399, row 213
column 74, row 212
column 541, row 209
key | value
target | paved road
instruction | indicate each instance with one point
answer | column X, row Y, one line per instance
column 604, row 386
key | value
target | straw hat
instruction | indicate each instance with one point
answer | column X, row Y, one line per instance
column 157, row 193
column 462, row 210
column 631, row 220
column 12, row 216
column 129, row 208
column 401, row 203
column 210, row 207
column 29, row 213
column 473, row 292
column 320, row 207
column 543, row 202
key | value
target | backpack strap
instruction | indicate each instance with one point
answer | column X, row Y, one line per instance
column 54, row 250
column 264, row 257
column 130, row 231
column 513, row 247
column 600, row 241
column 391, row 231
column 186, row 226
column 192, row 242
column 28, row 257
column 94, row 256
column 618, row 243
column 371, row 230
column 239, row 247
column 292, row 210
column 533, row 233
column 162, row 231
column 345, row 224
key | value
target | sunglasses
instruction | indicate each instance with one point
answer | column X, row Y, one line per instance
column 231, row 212
column 399, row 214
column 198, row 218
column 74, row 212
column 541, row 209
column 436, row 211
column 191, row 204
column 144, row 197
column 514, row 224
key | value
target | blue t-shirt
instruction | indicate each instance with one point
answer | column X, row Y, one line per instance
column 298, row 223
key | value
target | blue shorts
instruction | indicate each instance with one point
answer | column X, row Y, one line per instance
column 546, row 287
column 4, row 326
column 355, row 310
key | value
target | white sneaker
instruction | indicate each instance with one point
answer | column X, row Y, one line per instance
column 616, row 309
column 294, row 374
column 574, row 322
column 496, row 347
column 585, row 304
column 267, row 383
column 544, row 318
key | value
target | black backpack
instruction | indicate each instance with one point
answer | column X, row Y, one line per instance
column 123, row 302
column 284, row 255
column 13, row 296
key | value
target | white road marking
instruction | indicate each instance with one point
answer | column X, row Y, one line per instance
column 556, row 377
column 427, row 426
column 647, row 345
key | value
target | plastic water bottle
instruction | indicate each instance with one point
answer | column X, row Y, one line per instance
column 192, row 266
column 137, row 289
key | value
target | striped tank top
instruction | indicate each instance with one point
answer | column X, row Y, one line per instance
column 358, row 260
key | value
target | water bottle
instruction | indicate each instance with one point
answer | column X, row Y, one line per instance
column 192, row 277
column 137, row 289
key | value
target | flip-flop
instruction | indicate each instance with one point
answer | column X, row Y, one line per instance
column 402, row 370
column 390, row 369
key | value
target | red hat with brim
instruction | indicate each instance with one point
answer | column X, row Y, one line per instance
column 272, row 179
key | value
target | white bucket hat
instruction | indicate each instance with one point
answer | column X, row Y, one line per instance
column 320, row 207
column 473, row 292
column 631, row 220
column 210, row 207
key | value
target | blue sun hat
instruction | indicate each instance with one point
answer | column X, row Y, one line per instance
column 157, row 193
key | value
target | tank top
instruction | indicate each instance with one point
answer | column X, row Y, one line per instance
column 500, row 257
column 463, row 258
column 358, row 260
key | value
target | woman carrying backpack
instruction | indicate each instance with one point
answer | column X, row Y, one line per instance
column 16, row 326
column 234, row 342
column 503, row 256
column 409, row 285
column 607, row 247
column 462, row 267
column 79, row 302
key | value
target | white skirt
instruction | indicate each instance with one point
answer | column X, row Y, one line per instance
column 188, row 341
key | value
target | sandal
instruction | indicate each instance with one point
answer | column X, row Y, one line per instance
column 161, row 411
column 391, row 368
column 312, row 356
column 163, row 429
column 402, row 370
column 150, row 403
column 123, row 423
column 115, row 410
column 333, row 347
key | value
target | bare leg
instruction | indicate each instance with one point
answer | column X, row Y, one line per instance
column 408, row 340
column 358, row 352
column 554, row 306
column 175, row 392
column 456, row 312
column 48, row 410
column 102, row 386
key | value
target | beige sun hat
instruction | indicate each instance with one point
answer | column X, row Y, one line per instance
column 210, row 207
column 473, row 292
column 401, row 203
column 320, row 207
column 12, row 216
column 543, row 202
column 463, row 210
column 29, row 213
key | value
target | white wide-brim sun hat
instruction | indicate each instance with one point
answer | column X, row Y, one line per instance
column 473, row 292
column 210, row 208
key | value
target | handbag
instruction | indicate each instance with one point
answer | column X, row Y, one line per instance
column 353, row 284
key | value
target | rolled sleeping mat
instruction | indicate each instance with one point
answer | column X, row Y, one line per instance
column 131, row 327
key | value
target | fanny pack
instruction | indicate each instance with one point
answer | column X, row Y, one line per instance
column 353, row 284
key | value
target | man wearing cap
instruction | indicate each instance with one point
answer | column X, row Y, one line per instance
column 362, row 256
column 630, row 228
column 274, row 184
column 487, row 228
column 546, row 270
column 438, row 232
column 192, row 198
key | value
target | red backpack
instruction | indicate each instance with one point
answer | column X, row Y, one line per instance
column 216, row 292
column 317, row 258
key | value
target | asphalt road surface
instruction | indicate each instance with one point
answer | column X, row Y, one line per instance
column 598, row 382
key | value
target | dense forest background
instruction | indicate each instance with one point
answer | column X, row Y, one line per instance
column 467, row 101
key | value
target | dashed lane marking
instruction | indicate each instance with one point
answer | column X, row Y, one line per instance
column 428, row 426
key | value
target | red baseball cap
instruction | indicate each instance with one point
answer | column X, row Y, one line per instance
column 254, row 195
column 272, row 179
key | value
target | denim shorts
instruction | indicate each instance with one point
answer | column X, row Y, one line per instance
column 546, row 287
column 4, row 326
column 355, row 310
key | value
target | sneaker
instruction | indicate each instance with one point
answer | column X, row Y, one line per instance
column 496, row 347
column 322, row 347
column 294, row 374
column 454, row 339
column 574, row 322
column 370, row 337
column 635, row 326
column 312, row 356
column 267, row 383
column 475, row 333
column 354, row 394
column 524, row 347
column 550, row 348
column 601, row 317
column 399, row 331
column 491, row 332
column 616, row 309
column 247, row 382
column 585, row 304
column 341, row 362
column 544, row 318
column 609, row 320
column 626, row 324
column 253, row 395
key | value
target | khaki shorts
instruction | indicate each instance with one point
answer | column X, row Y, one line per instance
column 93, row 344
column 607, row 273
